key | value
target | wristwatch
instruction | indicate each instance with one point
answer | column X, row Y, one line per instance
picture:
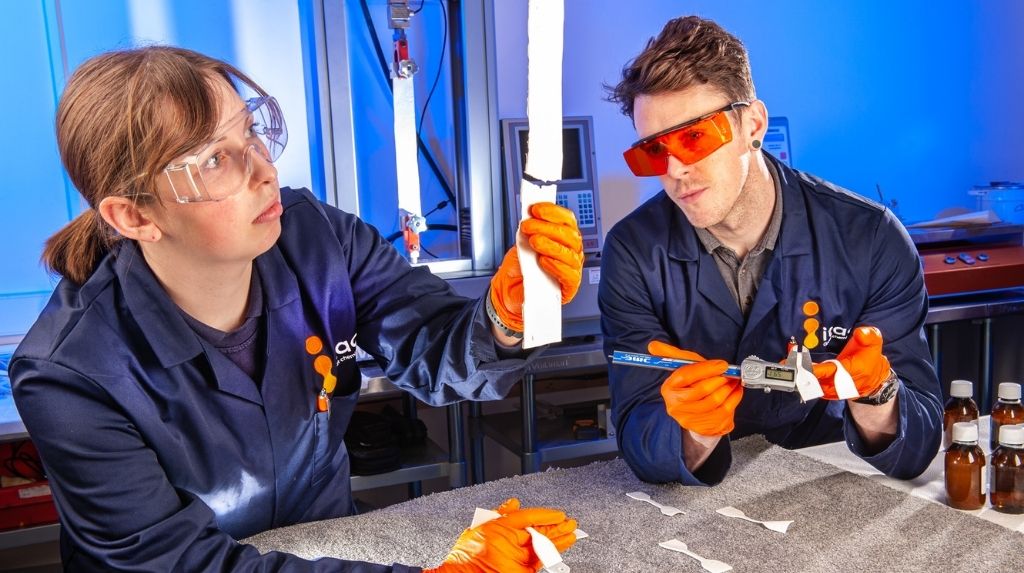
column 493, row 315
column 884, row 393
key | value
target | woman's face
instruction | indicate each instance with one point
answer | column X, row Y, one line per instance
column 238, row 228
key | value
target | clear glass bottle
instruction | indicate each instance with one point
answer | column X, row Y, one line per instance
column 965, row 468
column 1006, row 411
column 959, row 408
column 1007, row 495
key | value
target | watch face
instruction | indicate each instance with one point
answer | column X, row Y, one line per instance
column 883, row 394
column 889, row 391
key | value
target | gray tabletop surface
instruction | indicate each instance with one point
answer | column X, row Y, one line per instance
column 842, row 522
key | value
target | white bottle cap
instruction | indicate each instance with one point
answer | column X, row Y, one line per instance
column 961, row 389
column 965, row 432
column 1011, row 435
column 1009, row 391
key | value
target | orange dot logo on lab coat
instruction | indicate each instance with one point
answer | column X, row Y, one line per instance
column 810, row 309
column 322, row 365
column 314, row 345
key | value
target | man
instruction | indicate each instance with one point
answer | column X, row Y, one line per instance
column 738, row 254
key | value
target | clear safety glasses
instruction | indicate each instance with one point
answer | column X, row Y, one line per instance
column 689, row 142
column 223, row 167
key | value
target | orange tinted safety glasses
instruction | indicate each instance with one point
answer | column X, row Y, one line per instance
column 689, row 142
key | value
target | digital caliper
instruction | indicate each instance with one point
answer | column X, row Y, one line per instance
column 795, row 375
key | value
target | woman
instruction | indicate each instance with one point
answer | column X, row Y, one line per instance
column 191, row 380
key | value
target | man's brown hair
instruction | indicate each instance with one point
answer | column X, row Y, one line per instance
column 689, row 51
column 122, row 118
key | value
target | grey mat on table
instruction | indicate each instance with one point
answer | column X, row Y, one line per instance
column 843, row 522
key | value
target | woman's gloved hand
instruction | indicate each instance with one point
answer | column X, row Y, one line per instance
column 554, row 235
column 698, row 396
column 503, row 545
column 563, row 534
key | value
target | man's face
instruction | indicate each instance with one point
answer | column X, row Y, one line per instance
column 707, row 191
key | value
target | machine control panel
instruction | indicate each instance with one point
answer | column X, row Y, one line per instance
column 960, row 260
column 966, row 258
column 973, row 269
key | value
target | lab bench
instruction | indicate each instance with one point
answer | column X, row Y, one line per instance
column 841, row 521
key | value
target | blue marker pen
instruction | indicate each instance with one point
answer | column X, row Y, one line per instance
column 623, row 358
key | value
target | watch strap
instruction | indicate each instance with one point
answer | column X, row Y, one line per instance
column 496, row 320
column 884, row 393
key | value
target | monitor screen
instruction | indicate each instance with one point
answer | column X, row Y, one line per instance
column 572, row 153
column 776, row 140
column 577, row 187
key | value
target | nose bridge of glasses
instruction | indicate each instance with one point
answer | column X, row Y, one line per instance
column 675, row 167
column 257, row 148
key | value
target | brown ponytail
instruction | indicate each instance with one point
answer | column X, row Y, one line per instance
column 122, row 118
column 74, row 251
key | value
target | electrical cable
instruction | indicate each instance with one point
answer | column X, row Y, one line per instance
column 397, row 234
column 23, row 465
column 439, row 206
column 440, row 63
column 431, row 226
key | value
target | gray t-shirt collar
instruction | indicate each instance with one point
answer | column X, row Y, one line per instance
column 771, row 234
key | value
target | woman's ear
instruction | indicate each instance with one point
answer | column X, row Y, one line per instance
column 124, row 215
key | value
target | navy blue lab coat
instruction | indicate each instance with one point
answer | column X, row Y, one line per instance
column 850, row 255
column 161, row 452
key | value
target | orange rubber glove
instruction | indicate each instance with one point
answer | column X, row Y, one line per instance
column 697, row 396
column 503, row 544
column 563, row 534
column 863, row 359
column 553, row 234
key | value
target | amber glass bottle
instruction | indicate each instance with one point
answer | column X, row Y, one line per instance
column 965, row 468
column 959, row 408
column 1008, row 471
column 1007, row 410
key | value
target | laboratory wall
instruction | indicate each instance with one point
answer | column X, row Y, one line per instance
column 916, row 99
column 43, row 41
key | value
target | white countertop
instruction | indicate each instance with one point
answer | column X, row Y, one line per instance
column 929, row 485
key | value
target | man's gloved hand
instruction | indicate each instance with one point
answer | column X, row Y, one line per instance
column 863, row 359
column 697, row 396
column 503, row 544
column 554, row 235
